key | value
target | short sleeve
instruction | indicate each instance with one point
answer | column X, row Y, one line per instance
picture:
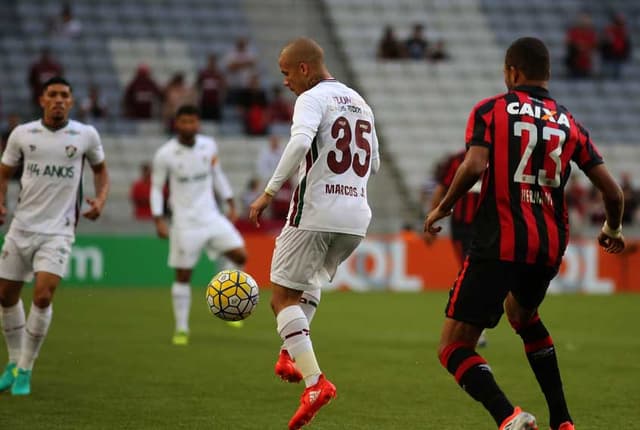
column 307, row 115
column 478, row 125
column 586, row 154
column 12, row 155
column 95, row 152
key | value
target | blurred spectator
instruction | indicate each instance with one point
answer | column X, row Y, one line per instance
column 177, row 93
column 268, row 159
column 595, row 209
column 577, row 206
column 280, row 107
column 389, row 47
column 252, row 192
column 93, row 106
column 65, row 25
column 240, row 65
column 631, row 199
column 141, row 95
column 13, row 120
column 256, row 115
column 416, row 45
column 140, row 194
column 438, row 52
column 615, row 47
column 211, row 84
column 582, row 40
column 41, row 71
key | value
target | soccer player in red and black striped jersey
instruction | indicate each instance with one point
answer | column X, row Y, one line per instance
column 521, row 142
column 464, row 209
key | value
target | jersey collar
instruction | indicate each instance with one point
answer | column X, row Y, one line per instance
column 535, row 91
column 53, row 130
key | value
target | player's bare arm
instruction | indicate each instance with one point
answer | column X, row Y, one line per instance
column 610, row 238
column 259, row 205
column 436, row 198
column 474, row 164
column 162, row 228
column 6, row 172
column 101, row 183
column 232, row 213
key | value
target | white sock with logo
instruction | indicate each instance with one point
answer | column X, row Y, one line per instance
column 13, row 323
column 309, row 303
column 181, row 297
column 293, row 328
column 36, row 330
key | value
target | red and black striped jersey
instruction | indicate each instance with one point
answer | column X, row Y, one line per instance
column 522, row 214
column 465, row 208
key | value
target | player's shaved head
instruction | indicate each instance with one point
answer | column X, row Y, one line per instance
column 531, row 56
column 303, row 50
column 302, row 64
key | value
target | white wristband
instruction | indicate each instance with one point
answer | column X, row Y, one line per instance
column 614, row 234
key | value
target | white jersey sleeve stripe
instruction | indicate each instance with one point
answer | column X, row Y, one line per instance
column 298, row 202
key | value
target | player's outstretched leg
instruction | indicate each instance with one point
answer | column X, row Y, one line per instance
column 13, row 322
column 293, row 328
column 36, row 330
column 457, row 354
column 541, row 354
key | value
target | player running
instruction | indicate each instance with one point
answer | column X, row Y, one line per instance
column 334, row 147
column 52, row 151
column 191, row 163
column 522, row 141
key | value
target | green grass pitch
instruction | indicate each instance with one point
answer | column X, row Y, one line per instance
column 108, row 364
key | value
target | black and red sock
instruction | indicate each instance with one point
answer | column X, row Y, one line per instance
column 541, row 354
column 473, row 374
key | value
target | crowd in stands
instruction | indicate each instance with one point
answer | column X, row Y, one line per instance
column 416, row 47
column 583, row 44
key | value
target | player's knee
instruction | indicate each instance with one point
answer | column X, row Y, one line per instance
column 43, row 299
column 523, row 319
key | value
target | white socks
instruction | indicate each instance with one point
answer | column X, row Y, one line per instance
column 309, row 303
column 181, row 295
column 35, row 331
column 226, row 264
column 13, row 322
column 293, row 328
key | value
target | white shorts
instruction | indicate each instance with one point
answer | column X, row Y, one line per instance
column 186, row 244
column 25, row 253
column 305, row 260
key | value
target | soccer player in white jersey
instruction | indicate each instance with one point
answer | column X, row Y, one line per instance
column 334, row 147
column 191, row 163
column 52, row 150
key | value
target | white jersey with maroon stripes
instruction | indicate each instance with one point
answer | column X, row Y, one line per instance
column 332, row 187
column 191, row 182
column 51, row 182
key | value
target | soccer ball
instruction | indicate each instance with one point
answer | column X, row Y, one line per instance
column 232, row 295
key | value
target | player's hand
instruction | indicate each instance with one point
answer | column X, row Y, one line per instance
column 3, row 213
column 610, row 244
column 162, row 229
column 94, row 210
column 256, row 208
column 429, row 238
column 434, row 216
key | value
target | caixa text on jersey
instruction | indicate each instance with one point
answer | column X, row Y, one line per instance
column 35, row 169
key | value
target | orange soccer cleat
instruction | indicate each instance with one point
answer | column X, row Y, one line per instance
column 313, row 398
column 519, row 420
column 286, row 369
column 567, row 425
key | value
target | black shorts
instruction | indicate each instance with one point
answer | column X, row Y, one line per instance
column 477, row 296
